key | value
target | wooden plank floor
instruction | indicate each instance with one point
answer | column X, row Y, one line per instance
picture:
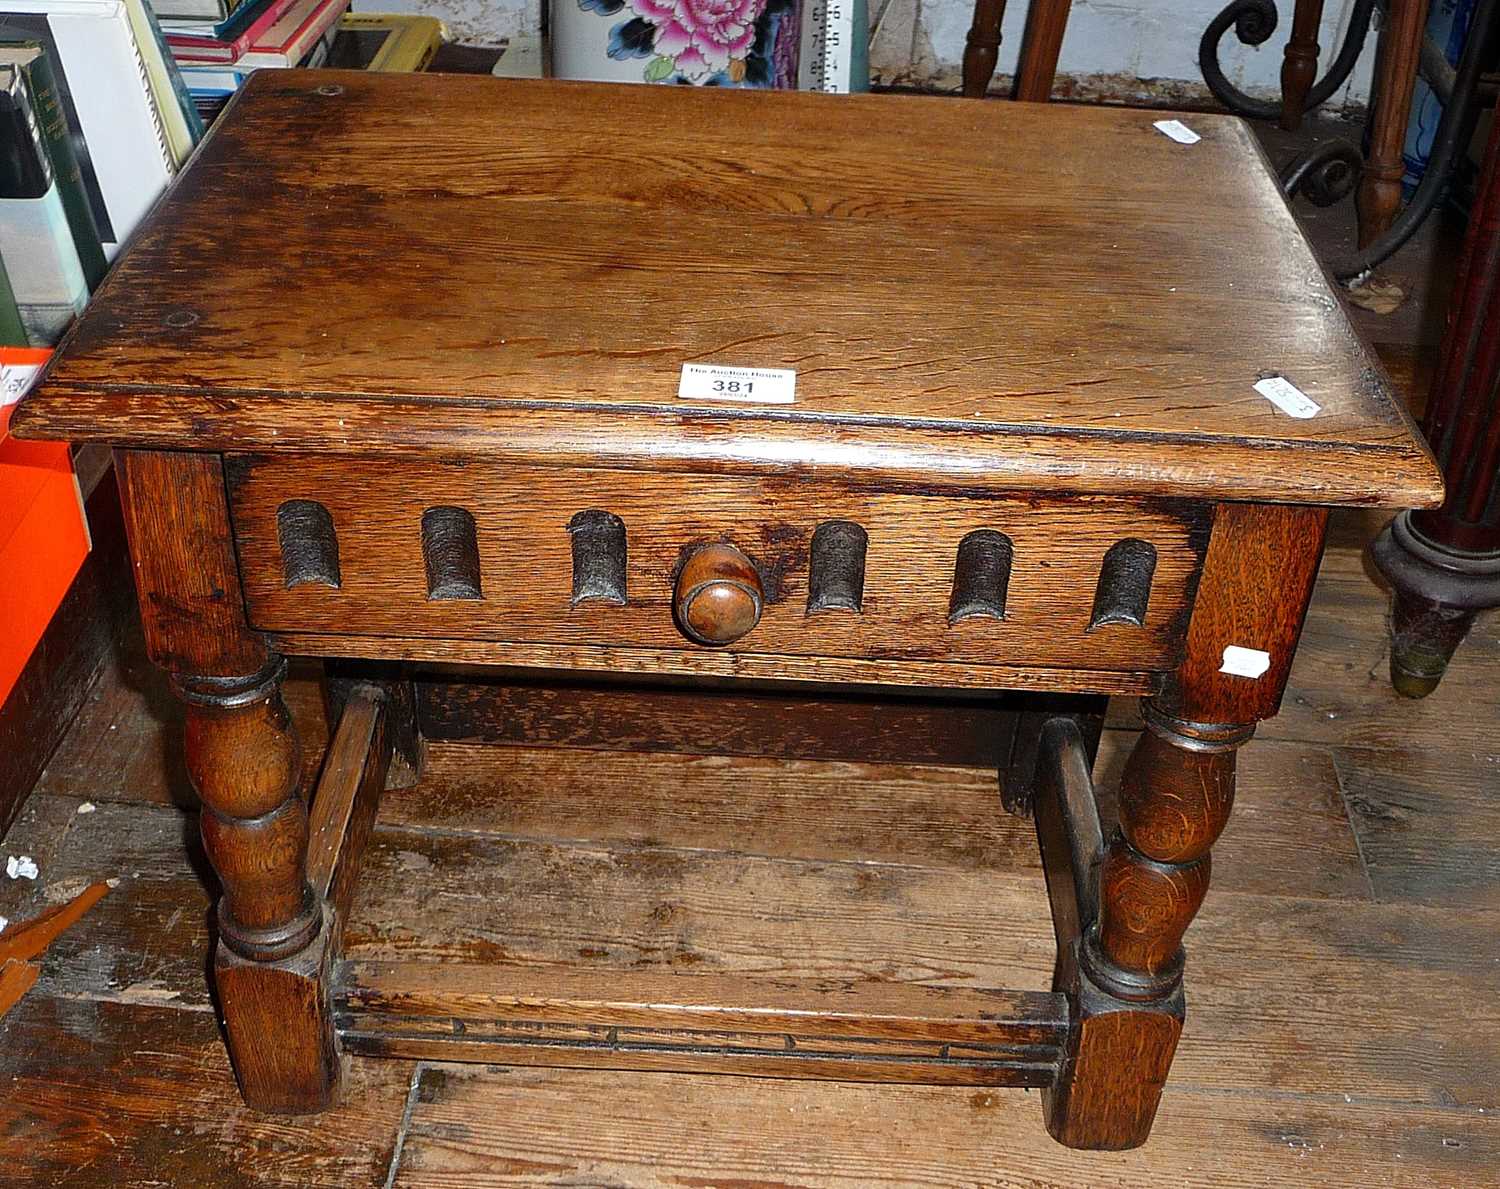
column 1344, row 1019
column 1344, row 975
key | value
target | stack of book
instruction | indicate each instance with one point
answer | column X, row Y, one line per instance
column 94, row 120
column 217, row 43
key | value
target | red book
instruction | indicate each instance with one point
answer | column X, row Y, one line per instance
column 190, row 47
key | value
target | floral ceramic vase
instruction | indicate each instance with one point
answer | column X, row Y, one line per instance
column 714, row 43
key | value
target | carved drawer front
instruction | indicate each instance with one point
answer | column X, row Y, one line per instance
column 758, row 565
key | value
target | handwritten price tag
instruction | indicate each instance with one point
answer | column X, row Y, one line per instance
column 1287, row 397
column 15, row 380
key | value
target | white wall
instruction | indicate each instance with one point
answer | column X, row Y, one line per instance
column 1111, row 44
column 472, row 22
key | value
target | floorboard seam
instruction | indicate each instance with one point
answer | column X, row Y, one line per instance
column 1349, row 814
column 612, row 845
column 405, row 1124
column 1332, row 1098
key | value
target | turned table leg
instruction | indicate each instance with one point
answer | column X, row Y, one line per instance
column 1125, row 981
column 271, row 956
column 982, row 47
column 1299, row 68
column 1379, row 193
column 1445, row 564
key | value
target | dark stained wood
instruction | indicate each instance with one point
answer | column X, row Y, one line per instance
column 1125, row 991
column 1287, row 941
column 1299, row 67
column 117, row 1094
column 278, row 1028
column 719, row 663
column 1442, row 563
column 346, row 801
column 30, row 938
column 718, row 595
column 982, row 47
column 1257, row 580
column 1425, row 818
column 243, row 760
column 907, row 372
column 537, row 1127
column 373, row 504
column 703, row 1002
column 270, row 962
column 1020, row 772
column 716, row 720
column 851, row 1031
column 128, row 743
column 1117, row 1053
column 1046, row 22
column 525, row 555
column 393, row 684
column 70, row 655
column 1379, row 194
column 1115, row 1067
column 186, row 577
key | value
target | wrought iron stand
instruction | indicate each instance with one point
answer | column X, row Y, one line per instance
column 1328, row 173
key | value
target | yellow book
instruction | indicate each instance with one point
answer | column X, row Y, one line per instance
column 385, row 42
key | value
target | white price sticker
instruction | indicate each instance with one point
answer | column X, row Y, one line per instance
column 1287, row 397
column 1245, row 662
column 15, row 379
column 1177, row 130
column 755, row 385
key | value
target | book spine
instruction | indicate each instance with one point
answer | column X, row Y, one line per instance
column 163, row 53
column 143, row 76
column 154, row 57
column 36, row 244
column 53, row 121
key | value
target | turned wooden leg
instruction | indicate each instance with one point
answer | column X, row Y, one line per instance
column 1445, row 564
column 982, row 48
column 1379, row 194
column 271, row 957
column 1124, row 973
column 1174, row 800
column 1299, row 68
column 1046, row 22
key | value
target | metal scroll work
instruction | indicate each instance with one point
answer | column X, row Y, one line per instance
column 1253, row 22
column 1328, row 172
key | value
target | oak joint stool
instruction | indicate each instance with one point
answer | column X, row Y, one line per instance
column 977, row 401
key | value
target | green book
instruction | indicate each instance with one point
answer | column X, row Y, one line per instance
column 30, row 58
column 12, row 332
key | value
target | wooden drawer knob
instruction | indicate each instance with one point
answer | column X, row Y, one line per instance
column 718, row 597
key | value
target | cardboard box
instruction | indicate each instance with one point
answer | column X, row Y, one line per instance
column 43, row 535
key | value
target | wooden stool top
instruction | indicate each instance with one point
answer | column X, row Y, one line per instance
column 972, row 295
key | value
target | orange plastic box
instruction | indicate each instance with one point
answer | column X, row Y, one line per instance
column 43, row 535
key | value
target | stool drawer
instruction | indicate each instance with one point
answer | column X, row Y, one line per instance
column 461, row 551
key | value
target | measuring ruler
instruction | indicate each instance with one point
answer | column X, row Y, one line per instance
column 827, row 46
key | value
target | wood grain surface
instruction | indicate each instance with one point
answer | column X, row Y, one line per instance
column 526, row 568
column 971, row 294
column 849, row 1031
column 719, row 663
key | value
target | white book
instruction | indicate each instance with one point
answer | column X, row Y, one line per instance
column 126, row 162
